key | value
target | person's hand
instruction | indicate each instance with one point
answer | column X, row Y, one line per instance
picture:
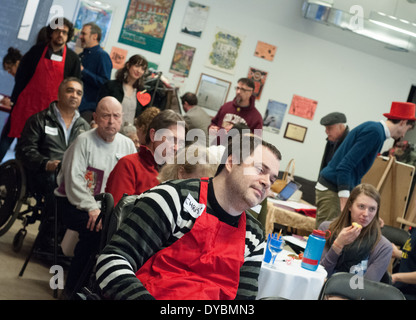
column 93, row 216
column 381, row 221
column 6, row 102
column 347, row 236
column 213, row 128
column 397, row 253
column 51, row 165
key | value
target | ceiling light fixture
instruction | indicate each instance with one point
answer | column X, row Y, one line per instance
column 393, row 23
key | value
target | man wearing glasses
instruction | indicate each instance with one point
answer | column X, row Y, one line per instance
column 38, row 77
column 86, row 165
column 240, row 110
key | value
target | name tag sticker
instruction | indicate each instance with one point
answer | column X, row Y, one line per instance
column 55, row 57
column 51, row 131
column 193, row 207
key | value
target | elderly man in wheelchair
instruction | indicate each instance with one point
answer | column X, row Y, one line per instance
column 39, row 151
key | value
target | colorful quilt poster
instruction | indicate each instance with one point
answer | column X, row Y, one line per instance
column 145, row 24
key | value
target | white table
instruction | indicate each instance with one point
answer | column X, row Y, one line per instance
column 289, row 280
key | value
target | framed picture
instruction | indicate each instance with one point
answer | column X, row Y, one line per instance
column 212, row 92
column 182, row 60
column 295, row 132
column 145, row 24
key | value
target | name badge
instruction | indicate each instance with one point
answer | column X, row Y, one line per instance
column 55, row 57
column 193, row 207
column 51, row 131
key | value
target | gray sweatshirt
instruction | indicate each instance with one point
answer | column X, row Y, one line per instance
column 86, row 165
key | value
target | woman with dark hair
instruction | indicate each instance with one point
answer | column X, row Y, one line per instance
column 11, row 60
column 356, row 244
column 10, row 63
column 128, row 82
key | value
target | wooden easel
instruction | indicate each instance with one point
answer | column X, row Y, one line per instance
column 393, row 180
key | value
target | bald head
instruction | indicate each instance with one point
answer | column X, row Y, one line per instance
column 108, row 117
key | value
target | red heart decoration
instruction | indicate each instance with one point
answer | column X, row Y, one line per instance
column 143, row 98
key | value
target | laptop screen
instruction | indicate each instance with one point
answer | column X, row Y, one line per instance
column 289, row 190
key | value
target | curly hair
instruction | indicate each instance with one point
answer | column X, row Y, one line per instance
column 55, row 22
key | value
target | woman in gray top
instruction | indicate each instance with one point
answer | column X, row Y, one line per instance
column 356, row 244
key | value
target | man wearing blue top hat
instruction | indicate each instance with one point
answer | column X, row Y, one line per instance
column 355, row 157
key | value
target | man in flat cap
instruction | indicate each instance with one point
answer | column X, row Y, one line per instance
column 355, row 156
column 336, row 131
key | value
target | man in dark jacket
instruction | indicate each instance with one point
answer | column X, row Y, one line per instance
column 44, row 140
column 336, row 131
column 47, row 134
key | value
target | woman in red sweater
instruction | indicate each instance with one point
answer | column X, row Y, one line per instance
column 137, row 172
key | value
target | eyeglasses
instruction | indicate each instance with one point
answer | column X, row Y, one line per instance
column 58, row 31
column 242, row 89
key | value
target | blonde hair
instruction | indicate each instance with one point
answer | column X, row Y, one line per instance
column 200, row 159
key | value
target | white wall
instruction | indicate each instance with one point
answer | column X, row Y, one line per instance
column 340, row 78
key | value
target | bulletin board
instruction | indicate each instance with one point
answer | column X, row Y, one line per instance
column 393, row 179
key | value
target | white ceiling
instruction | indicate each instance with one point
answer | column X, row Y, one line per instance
column 290, row 15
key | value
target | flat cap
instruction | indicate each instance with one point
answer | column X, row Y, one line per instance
column 333, row 118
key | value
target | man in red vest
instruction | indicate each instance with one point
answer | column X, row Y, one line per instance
column 191, row 239
column 38, row 77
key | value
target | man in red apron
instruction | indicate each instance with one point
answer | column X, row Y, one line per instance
column 40, row 72
column 191, row 239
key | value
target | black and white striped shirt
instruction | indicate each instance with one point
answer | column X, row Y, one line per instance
column 157, row 221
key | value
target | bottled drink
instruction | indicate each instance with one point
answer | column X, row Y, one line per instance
column 313, row 250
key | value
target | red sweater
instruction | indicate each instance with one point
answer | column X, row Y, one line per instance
column 231, row 112
column 133, row 174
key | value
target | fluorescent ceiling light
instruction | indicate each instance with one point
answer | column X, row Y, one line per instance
column 393, row 23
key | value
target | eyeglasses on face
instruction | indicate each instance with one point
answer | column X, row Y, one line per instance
column 243, row 89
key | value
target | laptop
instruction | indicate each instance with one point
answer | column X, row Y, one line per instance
column 288, row 190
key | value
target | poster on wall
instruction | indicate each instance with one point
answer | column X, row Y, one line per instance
column 273, row 118
column 265, row 51
column 118, row 57
column 145, row 24
column 195, row 18
column 259, row 78
column 225, row 50
column 303, row 107
column 90, row 11
column 182, row 60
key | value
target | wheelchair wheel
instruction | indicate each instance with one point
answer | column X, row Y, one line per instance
column 12, row 189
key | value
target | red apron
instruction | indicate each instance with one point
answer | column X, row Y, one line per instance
column 41, row 90
column 204, row 264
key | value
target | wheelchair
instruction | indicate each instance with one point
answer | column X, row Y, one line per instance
column 15, row 196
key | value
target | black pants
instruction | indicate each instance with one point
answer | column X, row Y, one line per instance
column 87, row 246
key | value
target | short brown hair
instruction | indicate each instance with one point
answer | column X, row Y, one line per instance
column 237, row 145
column 164, row 120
